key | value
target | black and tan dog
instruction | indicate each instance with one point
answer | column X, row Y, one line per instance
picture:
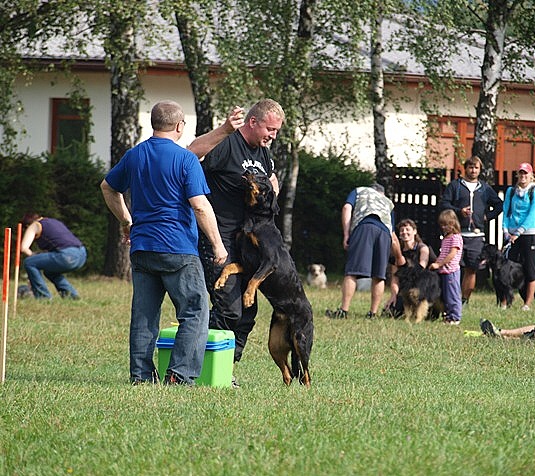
column 267, row 264
column 420, row 291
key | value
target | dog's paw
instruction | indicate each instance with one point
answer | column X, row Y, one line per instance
column 220, row 283
column 248, row 299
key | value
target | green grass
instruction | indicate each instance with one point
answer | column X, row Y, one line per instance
column 387, row 398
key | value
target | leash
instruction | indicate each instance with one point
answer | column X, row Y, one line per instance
column 506, row 249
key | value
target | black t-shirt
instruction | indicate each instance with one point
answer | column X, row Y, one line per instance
column 224, row 167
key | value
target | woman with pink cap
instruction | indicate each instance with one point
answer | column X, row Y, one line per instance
column 519, row 228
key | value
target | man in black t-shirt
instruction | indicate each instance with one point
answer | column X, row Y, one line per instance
column 245, row 149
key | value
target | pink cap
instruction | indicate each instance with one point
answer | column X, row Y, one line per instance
column 525, row 167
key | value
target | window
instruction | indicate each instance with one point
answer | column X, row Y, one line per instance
column 450, row 140
column 70, row 122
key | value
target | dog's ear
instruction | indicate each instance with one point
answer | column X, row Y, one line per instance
column 322, row 268
column 274, row 204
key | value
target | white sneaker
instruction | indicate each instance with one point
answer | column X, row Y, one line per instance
column 525, row 307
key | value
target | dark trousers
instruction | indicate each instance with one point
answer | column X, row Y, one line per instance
column 227, row 311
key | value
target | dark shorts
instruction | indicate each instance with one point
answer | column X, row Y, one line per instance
column 368, row 252
column 523, row 251
column 472, row 248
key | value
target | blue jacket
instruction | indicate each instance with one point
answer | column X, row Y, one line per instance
column 519, row 212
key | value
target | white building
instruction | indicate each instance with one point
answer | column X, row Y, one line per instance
column 406, row 127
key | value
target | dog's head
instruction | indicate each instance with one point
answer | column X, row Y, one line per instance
column 316, row 269
column 259, row 194
column 408, row 275
column 489, row 255
column 411, row 256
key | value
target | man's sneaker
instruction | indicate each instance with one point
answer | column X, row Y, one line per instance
column 525, row 307
column 149, row 381
column 234, row 383
column 172, row 378
column 530, row 334
column 370, row 315
column 338, row 314
column 465, row 302
column 489, row 329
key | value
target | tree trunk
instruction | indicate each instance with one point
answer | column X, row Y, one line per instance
column 291, row 190
column 126, row 92
column 383, row 165
column 294, row 92
column 197, row 71
column 491, row 74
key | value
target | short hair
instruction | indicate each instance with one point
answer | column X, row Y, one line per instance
column 165, row 115
column 473, row 161
column 412, row 224
column 263, row 107
column 448, row 219
column 29, row 218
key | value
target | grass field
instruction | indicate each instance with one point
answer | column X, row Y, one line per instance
column 387, row 398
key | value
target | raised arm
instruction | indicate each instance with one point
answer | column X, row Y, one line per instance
column 205, row 143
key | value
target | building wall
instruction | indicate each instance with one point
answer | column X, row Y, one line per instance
column 405, row 125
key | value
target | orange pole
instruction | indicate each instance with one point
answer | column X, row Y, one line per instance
column 17, row 268
column 5, row 301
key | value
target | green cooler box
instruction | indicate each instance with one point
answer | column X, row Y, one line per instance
column 218, row 356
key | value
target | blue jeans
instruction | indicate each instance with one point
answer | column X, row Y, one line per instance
column 54, row 264
column 181, row 276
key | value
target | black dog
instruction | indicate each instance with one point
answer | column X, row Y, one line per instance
column 267, row 264
column 507, row 275
column 420, row 291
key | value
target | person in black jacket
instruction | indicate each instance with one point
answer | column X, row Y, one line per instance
column 475, row 202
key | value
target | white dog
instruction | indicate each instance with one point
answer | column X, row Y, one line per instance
column 316, row 276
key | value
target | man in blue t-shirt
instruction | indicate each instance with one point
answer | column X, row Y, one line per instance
column 247, row 149
column 168, row 199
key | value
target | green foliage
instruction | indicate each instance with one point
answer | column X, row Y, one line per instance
column 387, row 398
column 322, row 187
column 63, row 185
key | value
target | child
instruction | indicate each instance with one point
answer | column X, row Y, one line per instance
column 447, row 263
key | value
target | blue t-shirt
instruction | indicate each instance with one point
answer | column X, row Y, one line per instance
column 161, row 176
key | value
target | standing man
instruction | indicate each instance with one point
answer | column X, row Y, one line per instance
column 368, row 239
column 474, row 202
column 168, row 199
column 247, row 149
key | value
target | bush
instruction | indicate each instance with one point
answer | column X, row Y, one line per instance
column 63, row 185
column 322, row 187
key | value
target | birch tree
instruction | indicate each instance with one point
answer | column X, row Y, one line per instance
column 435, row 31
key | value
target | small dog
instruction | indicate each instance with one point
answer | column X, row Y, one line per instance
column 24, row 291
column 420, row 291
column 507, row 275
column 266, row 262
column 316, row 276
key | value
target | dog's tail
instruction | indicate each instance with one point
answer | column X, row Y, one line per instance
column 300, row 353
